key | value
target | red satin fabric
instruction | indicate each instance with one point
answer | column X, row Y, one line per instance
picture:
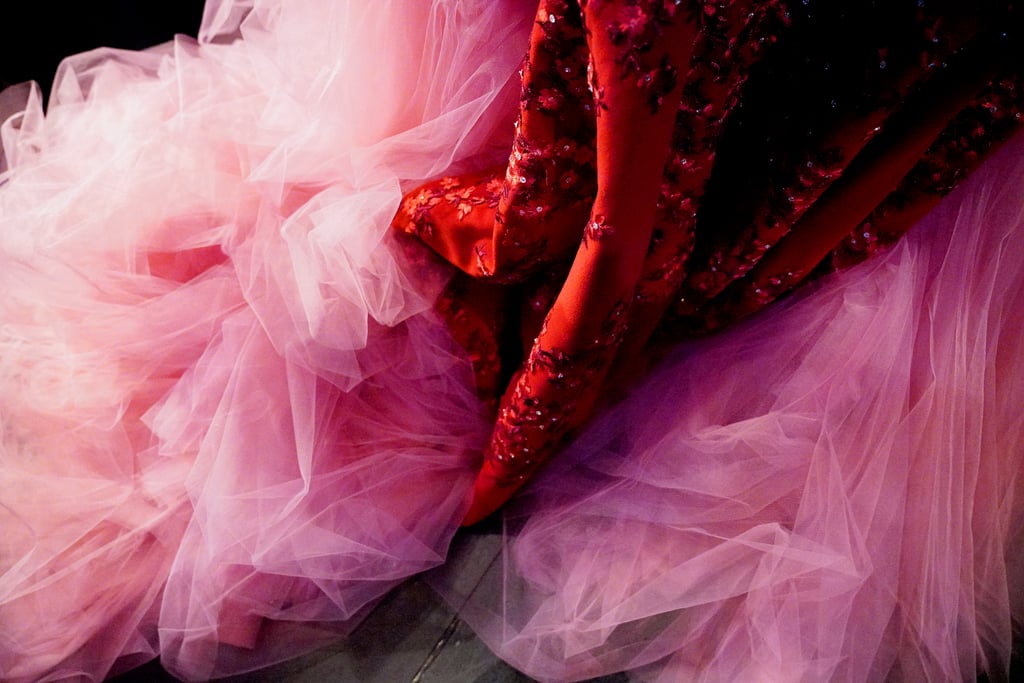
column 599, row 216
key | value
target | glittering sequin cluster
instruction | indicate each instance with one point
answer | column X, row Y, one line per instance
column 529, row 429
column 634, row 27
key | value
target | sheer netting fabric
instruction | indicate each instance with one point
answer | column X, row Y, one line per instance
column 831, row 491
column 231, row 418
column 238, row 406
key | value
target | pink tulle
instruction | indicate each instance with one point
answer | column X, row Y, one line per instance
column 231, row 420
column 208, row 336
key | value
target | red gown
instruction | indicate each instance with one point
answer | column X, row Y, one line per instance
column 617, row 217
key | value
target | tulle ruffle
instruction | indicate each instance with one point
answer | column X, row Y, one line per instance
column 831, row 491
column 208, row 334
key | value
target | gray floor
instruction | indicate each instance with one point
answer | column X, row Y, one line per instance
column 412, row 636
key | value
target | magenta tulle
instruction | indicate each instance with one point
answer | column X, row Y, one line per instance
column 232, row 421
column 832, row 491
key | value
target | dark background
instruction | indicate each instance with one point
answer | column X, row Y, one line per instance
column 34, row 39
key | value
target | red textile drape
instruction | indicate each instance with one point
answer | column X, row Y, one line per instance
column 678, row 165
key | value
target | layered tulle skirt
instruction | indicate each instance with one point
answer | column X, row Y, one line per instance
column 231, row 420
column 832, row 491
